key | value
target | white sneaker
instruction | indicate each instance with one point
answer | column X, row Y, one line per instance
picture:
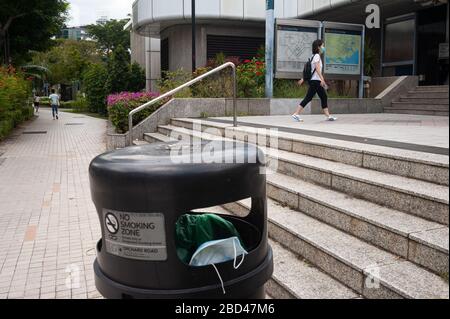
column 332, row 119
column 297, row 118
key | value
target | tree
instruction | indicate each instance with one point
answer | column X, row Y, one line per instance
column 110, row 35
column 118, row 71
column 68, row 60
column 94, row 86
column 136, row 78
column 29, row 25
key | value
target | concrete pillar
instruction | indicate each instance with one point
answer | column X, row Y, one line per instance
column 137, row 45
column 152, row 62
column 447, row 31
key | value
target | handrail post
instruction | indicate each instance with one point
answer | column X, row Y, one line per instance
column 130, row 129
column 234, row 97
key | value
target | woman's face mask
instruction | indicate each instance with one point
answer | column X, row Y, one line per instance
column 323, row 50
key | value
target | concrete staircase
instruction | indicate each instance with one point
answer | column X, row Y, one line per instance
column 424, row 100
column 346, row 220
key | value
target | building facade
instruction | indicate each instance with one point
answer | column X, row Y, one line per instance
column 412, row 38
column 74, row 33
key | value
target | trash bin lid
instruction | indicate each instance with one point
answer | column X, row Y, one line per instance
column 178, row 176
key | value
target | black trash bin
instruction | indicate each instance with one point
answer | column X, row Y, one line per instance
column 140, row 192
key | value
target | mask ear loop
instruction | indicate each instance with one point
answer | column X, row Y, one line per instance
column 220, row 278
column 235, row 256
column 234, row 265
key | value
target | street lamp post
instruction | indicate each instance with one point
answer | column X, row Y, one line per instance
column 193, row 36
column 270, row 24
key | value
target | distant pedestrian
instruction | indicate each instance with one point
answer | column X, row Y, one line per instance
column 36, row 102
column 54, row 101
column 317, row 84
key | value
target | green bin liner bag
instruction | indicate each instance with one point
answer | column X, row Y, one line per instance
column 191, row 231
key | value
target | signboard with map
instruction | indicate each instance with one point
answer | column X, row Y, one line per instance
column 344, row 50
column 294, row 39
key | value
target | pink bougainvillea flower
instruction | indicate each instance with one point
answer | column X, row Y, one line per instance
column 130, row 98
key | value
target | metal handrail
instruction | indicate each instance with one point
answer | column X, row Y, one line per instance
column 181, row 87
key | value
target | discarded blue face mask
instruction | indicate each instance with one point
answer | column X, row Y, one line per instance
column 218, row 251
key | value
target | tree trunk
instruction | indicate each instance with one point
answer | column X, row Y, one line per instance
column 3, row 30
column 3, row 46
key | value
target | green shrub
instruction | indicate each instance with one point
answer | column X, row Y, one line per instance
column 16, row 116
column 27, row 112
column 120, row 105
column 250, row 81
column 215, row 86
column 80, row 105
column 94, row 85
column 136, row 81
column 15, row 91
column 171, row 80
column 6, row 125
column 65, row 104
column 251, row 78
column 288, row 89
column 118, row 71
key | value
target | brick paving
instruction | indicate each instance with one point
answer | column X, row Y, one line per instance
column 48, row 223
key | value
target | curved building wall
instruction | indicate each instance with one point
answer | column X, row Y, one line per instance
column 151, row 16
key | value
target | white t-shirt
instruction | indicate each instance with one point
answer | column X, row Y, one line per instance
column 54, row 99
column 316, row 61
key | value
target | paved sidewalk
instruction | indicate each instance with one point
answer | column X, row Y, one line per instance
column 404, row 128
column 48, row 224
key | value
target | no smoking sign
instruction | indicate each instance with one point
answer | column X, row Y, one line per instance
column 111, row 223
column 134, row 235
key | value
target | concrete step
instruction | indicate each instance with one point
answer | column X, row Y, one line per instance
column 140, row 143
column 434, row 89
column 423, row 199
column 423, row 166
column 425, row 101
column 417, row 106
column 294, row 278
column 157, row 137
column 416, row 197
column 418, row 240
column 415, row 112
column 362, row 267
column 427, row 95
column 379, row 225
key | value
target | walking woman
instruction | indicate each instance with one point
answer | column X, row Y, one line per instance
column 37, row 101
column 317, row 84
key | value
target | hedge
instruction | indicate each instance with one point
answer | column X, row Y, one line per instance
column 120, row 105
column 15, row 106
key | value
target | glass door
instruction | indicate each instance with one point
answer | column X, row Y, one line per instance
column 399, row 46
